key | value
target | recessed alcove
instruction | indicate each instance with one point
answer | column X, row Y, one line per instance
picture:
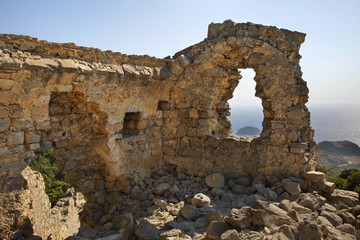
column 131, row 125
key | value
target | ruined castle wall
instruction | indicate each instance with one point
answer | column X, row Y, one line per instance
column 200, row 105
column 113, row 118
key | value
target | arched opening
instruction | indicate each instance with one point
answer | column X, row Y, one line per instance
column 56, row 185
column 246, row 113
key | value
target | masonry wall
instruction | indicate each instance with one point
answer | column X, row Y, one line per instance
column 113, row 119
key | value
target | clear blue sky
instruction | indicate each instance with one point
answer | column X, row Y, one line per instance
column 160, row 28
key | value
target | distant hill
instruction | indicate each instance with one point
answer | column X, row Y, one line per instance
column 248, row 131
column 342, row 154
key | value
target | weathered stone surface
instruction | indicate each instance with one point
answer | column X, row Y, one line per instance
column 35, row 205
column 112, row 122
column 146, row 231
column 311, row 200
column 332, row 217
column 161, row 188
column 239, row 218
column 259, row 217
column 188, row 212
column 230, row 235
column 200, row 200
column 291, row 187
column 215, row 180
column 15, row 138
column 123, row 221
column 348, row 217
column 314, row 176
column 213, row 215
column 308, row 230
column 348, row 198
column 215, row 229
column 159, row 202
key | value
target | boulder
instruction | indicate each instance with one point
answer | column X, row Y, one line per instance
column 215, row 180
column 146, row 231
column 348, row 228
column 200, row 200
column 348, row 217
column 213, row 215
column 230, row 235
column 293, row 188
column 349, row 198
column 311, row 200
column 188, row 212
column 161, row 188
column 332, row 217
column 123, row 221
column 215, row 229
column 159, row 202
column 307, row 230
column 259, row 217
column 239, row 218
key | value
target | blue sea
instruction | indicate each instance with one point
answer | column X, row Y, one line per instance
column 331, row 123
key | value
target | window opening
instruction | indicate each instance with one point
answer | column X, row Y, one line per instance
column 245, row 109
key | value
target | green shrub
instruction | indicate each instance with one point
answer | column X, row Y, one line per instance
column 55, row 183
column 348, row 179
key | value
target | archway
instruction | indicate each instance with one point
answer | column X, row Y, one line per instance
column 245, row 109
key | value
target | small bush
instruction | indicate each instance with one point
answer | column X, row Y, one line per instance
column 55, row 183
column 348, row 179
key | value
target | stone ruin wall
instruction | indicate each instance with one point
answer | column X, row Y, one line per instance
column 113, row 119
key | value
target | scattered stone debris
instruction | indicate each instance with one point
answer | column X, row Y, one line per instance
column 194, row 212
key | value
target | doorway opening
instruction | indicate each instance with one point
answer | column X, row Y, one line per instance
column 246, row 111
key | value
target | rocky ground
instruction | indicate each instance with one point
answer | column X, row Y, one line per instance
column 176, row 206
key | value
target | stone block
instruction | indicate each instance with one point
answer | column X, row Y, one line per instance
column 296, row 114
column 298, row 148
column 6, row 84
column 203, row 131
column 31, row 137
column 15, row 138
column 314, row 176
column 43, row 63
column 193, row 113
column 68, row 64
column 4, row 125
column 183, row 61
column 161, row 73
column 33, row 146
column 175, row 67
column 4, row 150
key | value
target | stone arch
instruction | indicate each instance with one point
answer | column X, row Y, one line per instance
column 208, row 83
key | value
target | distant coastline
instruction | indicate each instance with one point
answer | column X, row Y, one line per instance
column 330, row 122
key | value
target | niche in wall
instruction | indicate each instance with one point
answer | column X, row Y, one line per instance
column 132, row 124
